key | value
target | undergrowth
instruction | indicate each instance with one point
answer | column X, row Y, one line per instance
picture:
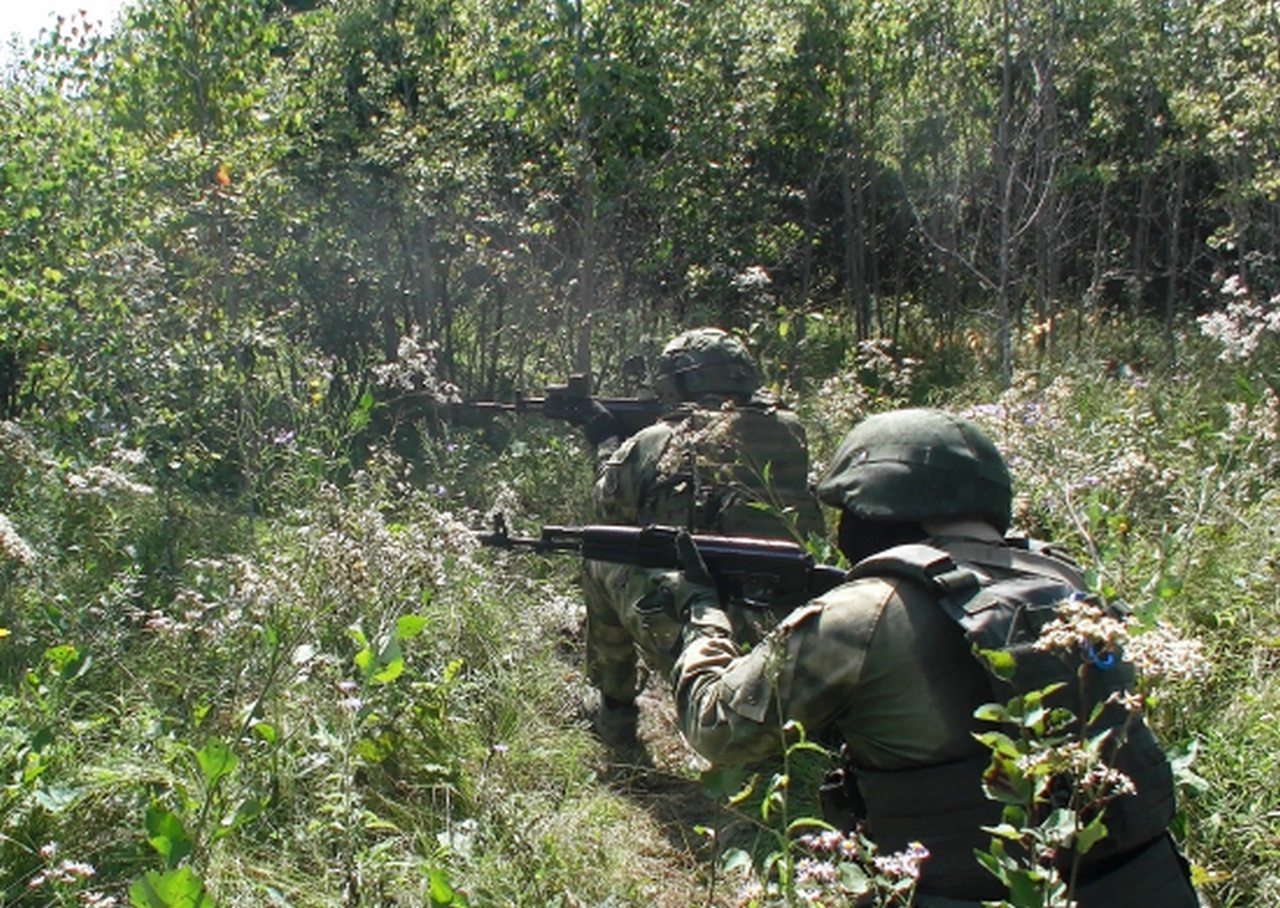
column 344, row 701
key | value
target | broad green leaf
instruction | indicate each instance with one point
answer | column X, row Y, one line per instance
column 999, row 743
column 991, row 712
column 441, row 893
column 853, row 878
column 179, row 888
column 1000, row 662
column 389, row 672
column 166, row 834
column 409, row 626
column 1092, row 833
column 390, row 662
column 216, row 761
column 1025, row 887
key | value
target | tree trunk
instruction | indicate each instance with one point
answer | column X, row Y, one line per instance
column 1005, row 177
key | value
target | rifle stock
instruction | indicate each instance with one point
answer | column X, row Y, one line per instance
column 739, row 562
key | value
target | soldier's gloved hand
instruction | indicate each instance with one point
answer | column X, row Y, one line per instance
column 700, row 608
column 666, row 603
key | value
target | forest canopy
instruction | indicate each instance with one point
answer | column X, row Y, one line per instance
column 531, row 188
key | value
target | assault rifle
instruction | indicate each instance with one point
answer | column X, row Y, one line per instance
column 567, row 401
column 736, row 563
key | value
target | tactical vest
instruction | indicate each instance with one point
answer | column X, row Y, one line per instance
column 1002, row 596
column 734, row 470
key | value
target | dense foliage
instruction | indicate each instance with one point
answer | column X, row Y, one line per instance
column 252, row 252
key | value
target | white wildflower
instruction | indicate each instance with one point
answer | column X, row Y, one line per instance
column 1082, row 622
column 414, row 369
column 754, row 278
column 1162, row 652
column 903, row 864
column 813, row 871
column 12, row 546
column 100, row 481
column 1241, row 324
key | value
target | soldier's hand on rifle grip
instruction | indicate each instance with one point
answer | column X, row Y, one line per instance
column 690, row 559
column 700, row 604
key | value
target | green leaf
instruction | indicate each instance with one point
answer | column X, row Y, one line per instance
column 166, row 834
column 179, row 888
column 1004, row 783
column 1059, row 826
column 391, row 663
column 854, row 879
column 63, row 659
column 216, row 761
column 1004, row 831
column 1034, row 718
column 991, row 712
column 1025, row 887
column 409, row 626
column 1093, row 833
column 392, row 670
column 998, row 743
column 248, row 809
column 733, row 859
column 359, row 417
column 720, row 781
column 999, row 662
column 990, row 863
column 803, row 823
column 440, row 892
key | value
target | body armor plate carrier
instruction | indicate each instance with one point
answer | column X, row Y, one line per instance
column 1002, row 596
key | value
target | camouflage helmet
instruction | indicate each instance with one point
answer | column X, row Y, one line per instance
column 915, row 465
column 704, row 361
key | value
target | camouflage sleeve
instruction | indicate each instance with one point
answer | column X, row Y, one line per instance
column 732, row 707
column 624, row 478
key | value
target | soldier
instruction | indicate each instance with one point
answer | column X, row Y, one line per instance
column 886, row 661
column 725, row 458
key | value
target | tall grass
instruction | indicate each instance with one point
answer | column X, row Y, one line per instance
column 343, row 701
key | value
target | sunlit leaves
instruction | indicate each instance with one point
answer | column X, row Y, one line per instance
column 167, row 835
column 179, row 888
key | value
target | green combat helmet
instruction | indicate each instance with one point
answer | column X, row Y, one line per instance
column 704, row 361
column 918, row 464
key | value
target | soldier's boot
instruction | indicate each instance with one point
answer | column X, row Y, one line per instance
column 616, row 722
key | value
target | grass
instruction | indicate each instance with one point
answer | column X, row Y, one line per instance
column 345, row 702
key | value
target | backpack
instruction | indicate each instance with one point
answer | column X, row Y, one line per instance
column 736, row 470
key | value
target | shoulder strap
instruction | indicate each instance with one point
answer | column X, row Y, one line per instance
column 971, row 577
column 1017, row 556
column 930, row 566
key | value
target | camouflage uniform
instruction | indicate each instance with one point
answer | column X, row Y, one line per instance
column 879, row 662
column 730, row 462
